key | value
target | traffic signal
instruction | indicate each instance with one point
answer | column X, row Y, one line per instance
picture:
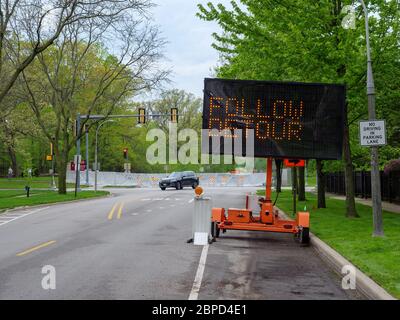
column 50, row 156
column 126, row 153
column 174, row 115
column 142, row 116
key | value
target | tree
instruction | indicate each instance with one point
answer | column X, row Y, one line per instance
column 320, row 184
column 305, row 41
column 294, row 188
column 278, row 166
column 188, row 105
column 78, row 73
column 14, row 129
column 351, row 211
column 28, row 28
column 302, row 184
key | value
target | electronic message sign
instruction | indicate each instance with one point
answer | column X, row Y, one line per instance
column 289, row 120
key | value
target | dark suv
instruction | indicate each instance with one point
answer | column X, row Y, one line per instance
column 179, row 180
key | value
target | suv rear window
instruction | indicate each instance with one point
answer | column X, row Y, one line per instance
column 189, row 173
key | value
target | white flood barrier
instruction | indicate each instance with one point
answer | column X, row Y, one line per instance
column 149, row 180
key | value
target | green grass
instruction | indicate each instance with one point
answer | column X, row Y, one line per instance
column 9, row 194
column 311, row 181
column 379, row 258
column 36, row 182
column 13, row 199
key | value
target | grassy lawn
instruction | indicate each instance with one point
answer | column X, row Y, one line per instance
column 36, row 182
column 311, row 181
column 379, row 258
column 13, row 199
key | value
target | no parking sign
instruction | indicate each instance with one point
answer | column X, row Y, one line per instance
column 373, row 133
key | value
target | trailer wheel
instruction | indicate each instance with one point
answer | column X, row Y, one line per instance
column 217, row 231
column 304, row 236
column 213, row 231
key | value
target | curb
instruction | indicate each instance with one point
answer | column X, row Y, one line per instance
column 365, row 285
column 55, row 203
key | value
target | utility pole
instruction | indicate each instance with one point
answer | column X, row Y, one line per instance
column 78, row 153
column 375, row 174
column 87, row 154
column 141, row 119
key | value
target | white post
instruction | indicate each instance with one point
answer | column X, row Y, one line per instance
column 201, row 226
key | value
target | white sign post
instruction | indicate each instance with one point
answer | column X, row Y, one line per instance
column 373, row 133
column 77, row 160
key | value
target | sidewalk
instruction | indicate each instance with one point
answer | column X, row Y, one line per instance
column 391, row 207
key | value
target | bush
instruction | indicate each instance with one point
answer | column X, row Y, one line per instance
column 392, row 165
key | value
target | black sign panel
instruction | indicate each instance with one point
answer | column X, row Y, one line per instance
column 290, row 120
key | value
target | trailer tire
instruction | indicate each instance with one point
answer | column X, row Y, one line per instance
column 304, row 236
column 217, row 231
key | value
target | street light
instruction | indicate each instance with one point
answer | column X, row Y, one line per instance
column 95, row 153
column 375, row 175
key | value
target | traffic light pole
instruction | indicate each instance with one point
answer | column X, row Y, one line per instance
column 87, row 155
column 78, row 153
column 174, row 116
column 53, row 181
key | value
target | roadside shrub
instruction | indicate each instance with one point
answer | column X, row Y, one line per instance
column 392, row 165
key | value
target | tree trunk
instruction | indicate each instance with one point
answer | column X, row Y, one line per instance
column 351, row 211
column 13, row 158
column 278, row 164
column 320, row 185
column 62, row 174
column 294, row 188
column 302, row 184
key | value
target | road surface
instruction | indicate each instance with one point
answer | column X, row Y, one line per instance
column 132, row 245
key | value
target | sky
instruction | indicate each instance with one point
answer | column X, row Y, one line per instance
column 188, row 52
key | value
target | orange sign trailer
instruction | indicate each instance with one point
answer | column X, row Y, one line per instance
column 268, row 220
column 294, row 163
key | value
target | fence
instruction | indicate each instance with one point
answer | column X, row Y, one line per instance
column 151, row 180
column 390, row 184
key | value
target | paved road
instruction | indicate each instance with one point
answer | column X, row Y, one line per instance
column 133, row 246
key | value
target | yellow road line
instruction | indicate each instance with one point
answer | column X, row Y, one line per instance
column 110, row 215
column 35, row 248
column 120, row 210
